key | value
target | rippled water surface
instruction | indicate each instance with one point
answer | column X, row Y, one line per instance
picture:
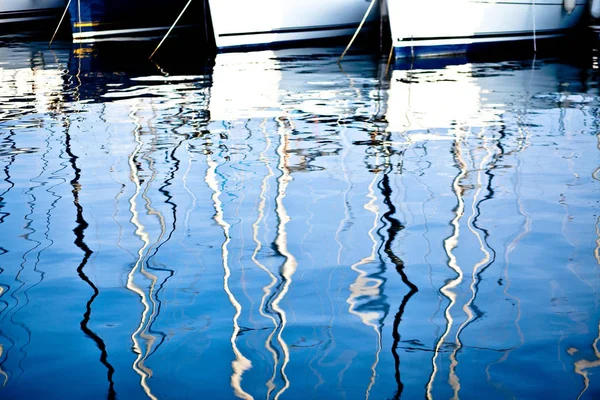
column 271, row 225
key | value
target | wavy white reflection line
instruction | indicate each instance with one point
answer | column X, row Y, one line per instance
column 565, row 222
column 450, row 244
column 467, row 307
column 140, row 232
column 597, row 249
column 186, row 221
column 365, row 286
column 509, row 249
column 344, row 221
column 4, row 374
column 264, row 187
column 596, row 173
column 595, row 176
column 347, row 173
column 290, row 264
column 148, row 338
column 241, row 177
column 241, row 363
column 582, row 366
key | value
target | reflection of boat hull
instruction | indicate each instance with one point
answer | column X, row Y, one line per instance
column 440, row 27
column 27, row 11
column 97, row 20
column 238, row 23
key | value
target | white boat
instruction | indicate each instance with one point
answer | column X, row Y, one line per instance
column 595, row 14
column 262, row 23
column 441, row 27
column 27, row 11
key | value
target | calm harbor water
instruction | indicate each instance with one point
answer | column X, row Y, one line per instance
column 271, row 225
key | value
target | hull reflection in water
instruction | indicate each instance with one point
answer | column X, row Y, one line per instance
column 275, row 226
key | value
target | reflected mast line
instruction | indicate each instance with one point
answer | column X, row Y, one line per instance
column 145, row 323
column 477, row 268
column 3, row 214
column 143, row 235
column 343, row 224
column 596, row 173
column 170, row 272
column 526, row 228
column 522, row 144
column 290, row 264
column 241, row 363
column 192, row 207
column 395, row 226
column 424, row 234
column 582, row 366
column 35, row 243
column 597, row 249
column 240, row 177
column 366, row 286
column 2, row 372
column 347, row 208
column 450, row 243
column 146, row 332
column 30, row 221
column 11, row 184
column 267, row 288
column 79, row 232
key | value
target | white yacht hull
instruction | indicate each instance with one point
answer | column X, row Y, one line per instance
column 22, row 11
column 443, row 27
column 261, row 23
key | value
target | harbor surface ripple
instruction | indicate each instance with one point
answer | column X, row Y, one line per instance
column 275, row 225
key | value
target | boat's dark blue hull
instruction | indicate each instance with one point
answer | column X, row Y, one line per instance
column 94, row 20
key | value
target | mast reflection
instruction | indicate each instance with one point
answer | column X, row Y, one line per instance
column 394, row 228
column 365, row 286
column 79, row 232
column 290, row 264
column 267, row 289
column 141, row 232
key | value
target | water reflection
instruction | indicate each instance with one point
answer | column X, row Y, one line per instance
column 270, row 225
column 30, row 82
column 147, row 299
column 79, row 231
column 368, row 287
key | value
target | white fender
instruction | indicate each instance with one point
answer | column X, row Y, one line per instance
column 595, row 8
column 569, row 5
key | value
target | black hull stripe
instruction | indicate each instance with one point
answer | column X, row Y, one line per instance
column 487, row 35
column 21, row 13
column 294, row 30
column 514, row 3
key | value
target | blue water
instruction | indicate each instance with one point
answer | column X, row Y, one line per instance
column 274, row 225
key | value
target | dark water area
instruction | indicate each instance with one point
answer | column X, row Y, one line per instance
column 276, row 225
